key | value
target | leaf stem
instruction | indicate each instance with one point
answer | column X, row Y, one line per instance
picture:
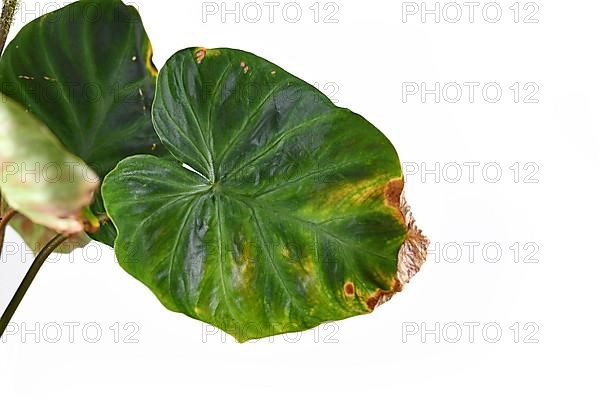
column 6, row 19
column 29, row 277
column 10, row 213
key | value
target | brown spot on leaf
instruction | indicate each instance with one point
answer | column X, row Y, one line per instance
column 88, row 226
column 372, row 302
column 200, row 54
column 393, row 191
column 349, row 289
column 392, row 194
column 381, row 296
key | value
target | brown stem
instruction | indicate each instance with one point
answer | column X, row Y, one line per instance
column 6, row 19
column 10, row 213
column 29, row 277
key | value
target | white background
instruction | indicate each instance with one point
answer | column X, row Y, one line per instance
column 550, row 210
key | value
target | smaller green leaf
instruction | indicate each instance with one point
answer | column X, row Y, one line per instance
column 40, row 179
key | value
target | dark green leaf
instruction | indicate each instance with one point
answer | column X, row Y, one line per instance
column 281, row 212
column 85, row 71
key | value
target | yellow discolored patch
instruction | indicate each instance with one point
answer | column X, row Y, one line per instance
column 308, row 265
column 374, row 191
column 347, row 190
column 244, row 269
column 149, row 64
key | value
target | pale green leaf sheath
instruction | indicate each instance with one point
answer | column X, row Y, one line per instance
column 280, row 212
column 40, row 179
column 86, row 72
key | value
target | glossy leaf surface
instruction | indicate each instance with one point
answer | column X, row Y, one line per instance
column 280, row 212
column 85, row 71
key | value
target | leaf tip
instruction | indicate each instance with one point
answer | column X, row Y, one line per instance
column 413, row 251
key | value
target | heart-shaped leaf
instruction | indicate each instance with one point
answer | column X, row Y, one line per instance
column 86, row 71
column 281, row 212
column 40, row 179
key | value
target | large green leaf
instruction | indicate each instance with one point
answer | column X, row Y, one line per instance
column 39, row 178
column 85, row 70
column 281, row 212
